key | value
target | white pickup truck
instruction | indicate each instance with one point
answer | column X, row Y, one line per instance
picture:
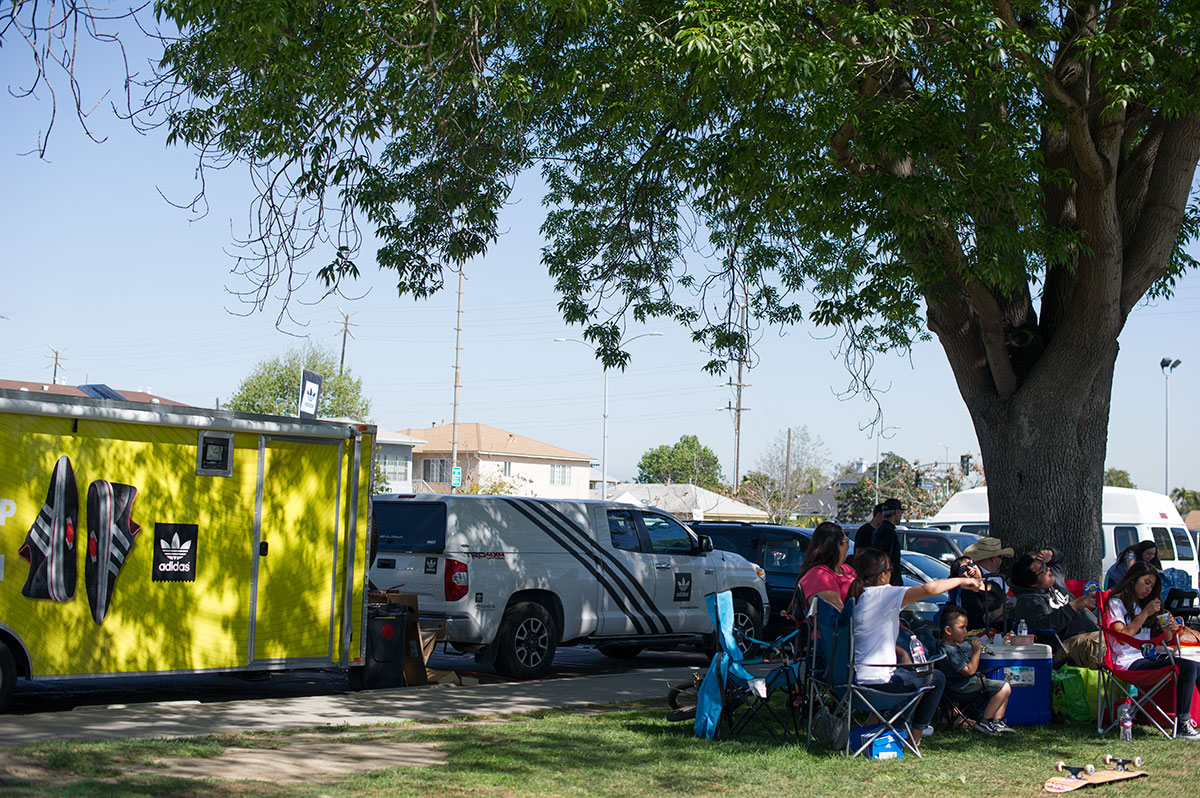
column 512, row 578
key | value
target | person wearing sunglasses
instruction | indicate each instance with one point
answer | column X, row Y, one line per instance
column 877, row 625
column 1044, row 603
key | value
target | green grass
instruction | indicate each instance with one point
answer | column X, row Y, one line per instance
column 627, row 752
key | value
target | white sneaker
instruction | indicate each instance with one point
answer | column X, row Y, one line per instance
column 1189, row 731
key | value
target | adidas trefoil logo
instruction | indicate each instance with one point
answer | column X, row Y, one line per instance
column 175, row 549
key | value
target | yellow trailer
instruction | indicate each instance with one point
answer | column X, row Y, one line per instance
column 139, row 538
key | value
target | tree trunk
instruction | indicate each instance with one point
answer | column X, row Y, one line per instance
column 1044, row 462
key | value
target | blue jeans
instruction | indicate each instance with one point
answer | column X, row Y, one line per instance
column 1184, row 683
column 904, row 680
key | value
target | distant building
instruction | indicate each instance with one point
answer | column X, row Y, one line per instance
column 91, row 391
column 686, row 502
column 489, row 457
column 395, row 459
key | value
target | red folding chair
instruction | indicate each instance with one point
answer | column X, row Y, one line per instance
column 1155, row 698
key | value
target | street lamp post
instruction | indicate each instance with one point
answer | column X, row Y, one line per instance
column 604, row 435
column 1167, row 365
column 878, row 435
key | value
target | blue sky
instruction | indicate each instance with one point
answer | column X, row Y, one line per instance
column 136, row 293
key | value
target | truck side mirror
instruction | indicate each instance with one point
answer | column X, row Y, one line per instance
column 704, row 544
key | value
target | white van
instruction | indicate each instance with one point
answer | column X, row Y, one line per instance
column 511, row 578
column 1127, row 516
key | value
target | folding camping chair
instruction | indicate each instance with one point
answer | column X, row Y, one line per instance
column 832, row 681
column 1111, row 686
column 738, row 689
column 1182, row 603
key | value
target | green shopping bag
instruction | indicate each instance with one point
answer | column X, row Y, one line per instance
column 1068, row 696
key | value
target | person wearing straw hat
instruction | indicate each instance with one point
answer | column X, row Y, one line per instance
column 987, row 554
column 986, row 608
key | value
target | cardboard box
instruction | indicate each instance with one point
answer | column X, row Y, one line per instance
column 888, row 745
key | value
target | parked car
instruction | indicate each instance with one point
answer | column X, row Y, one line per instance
column 936, row 543
column 780, row 551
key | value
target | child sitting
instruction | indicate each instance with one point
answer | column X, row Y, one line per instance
column 963, row 680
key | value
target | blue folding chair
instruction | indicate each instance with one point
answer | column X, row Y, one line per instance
column 732, row 695
column 832, row 682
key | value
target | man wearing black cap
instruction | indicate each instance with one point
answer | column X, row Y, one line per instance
column 885, row 538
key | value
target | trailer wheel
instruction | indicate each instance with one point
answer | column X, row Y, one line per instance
column 526, row 642
column 8, row 676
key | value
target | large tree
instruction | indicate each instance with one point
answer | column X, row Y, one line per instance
column 1013, row 174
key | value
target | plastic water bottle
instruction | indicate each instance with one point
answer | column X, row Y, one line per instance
column 1125, row 717
column 1022, row 628
column 917, row 649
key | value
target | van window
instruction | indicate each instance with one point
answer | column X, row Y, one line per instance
column 410, row 526
column 784, row 553
column 667, row 536
column 1162, row 539
column 975, row 529
column 1123, row 538
column 1183, row 543
column 622, row 530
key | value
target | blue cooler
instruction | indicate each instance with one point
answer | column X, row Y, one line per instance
column 1027, row 671
column 888, row 745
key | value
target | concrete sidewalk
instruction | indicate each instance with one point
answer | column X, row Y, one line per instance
column 433, row 702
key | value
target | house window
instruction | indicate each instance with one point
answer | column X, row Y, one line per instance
column 394, row 467
column 435, row 470
column 560, row 474
column 508, row 468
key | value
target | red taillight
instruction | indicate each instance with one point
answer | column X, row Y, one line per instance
column 457, row 582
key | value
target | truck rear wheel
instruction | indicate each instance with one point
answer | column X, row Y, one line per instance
column 8, row 676
column 526, row 642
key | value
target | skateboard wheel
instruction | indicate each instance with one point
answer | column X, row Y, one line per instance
column 1137, row 761
column 1089, row 769
column 1108, row 759
column 1061, row 766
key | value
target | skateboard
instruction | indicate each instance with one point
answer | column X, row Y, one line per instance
column 1086, row 776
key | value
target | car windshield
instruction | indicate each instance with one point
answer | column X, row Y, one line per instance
column 928, row 566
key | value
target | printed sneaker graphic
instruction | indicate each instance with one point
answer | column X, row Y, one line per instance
column 50, row 545
column 111, row 532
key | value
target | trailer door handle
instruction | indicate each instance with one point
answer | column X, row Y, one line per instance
column 262, row 548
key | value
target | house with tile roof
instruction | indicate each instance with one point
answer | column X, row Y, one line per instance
column 494, row 457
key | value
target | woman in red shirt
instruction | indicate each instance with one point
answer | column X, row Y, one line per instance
column 825, row 572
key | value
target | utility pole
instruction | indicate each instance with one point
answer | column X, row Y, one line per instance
column 457, row 369
column 346, row 325
column 739, row 385
column 57, row 356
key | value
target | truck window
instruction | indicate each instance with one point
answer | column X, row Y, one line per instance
column 1123, row 538
column 743, row 542
column 1162, row 539
column 410, row 526
column 784, row 553
column 667, row 536
column 1183, row 543
column 622, row 530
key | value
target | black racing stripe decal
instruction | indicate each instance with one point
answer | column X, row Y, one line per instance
column 587, row 563
column 608, row 560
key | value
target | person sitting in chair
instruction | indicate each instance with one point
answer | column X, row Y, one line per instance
column 1145, row 551
column 964, row 682
column 1044, row 604
column 984, row 609
column 877, row 624
column 1132, row 608
column 825, row 572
